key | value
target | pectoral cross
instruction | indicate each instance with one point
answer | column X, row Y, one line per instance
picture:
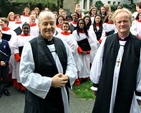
column 118, row 62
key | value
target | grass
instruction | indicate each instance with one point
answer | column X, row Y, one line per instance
column 84, row 91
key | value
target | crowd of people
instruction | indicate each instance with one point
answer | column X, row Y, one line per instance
column 46, row 52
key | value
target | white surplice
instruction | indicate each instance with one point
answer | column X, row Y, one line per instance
column 19, row 42
column 73, row 45
column 87, row 58
column 96, row 71
column 40, row 85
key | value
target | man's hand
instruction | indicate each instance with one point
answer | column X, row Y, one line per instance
column 59, row 80
column 2, row 63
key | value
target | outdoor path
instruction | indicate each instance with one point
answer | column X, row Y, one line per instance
column 15, row 103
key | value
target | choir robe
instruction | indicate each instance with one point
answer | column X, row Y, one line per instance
column 36, row 75
column 11, row 24
column 34, row 30
column 73, row 26
column 135, row 28
column 107, row 28
column 115, row 84
column 87, row 58
column 68, row 38
column 12, row 62
column 25, row 18
column 19, row 41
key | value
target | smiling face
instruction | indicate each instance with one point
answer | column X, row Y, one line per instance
column 47, row 25
column 26, row 29
column 123, row 23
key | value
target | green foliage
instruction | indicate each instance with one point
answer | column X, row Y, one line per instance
column 98, row 4
column 84, row 91
column 18, row 7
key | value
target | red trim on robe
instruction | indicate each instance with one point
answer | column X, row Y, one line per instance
column 18, row 86
column 26, row 15
column 5, row 28
column 74, row 22
column 58, row 26
column 99, row 40
column 17, row 57
column 139, row 20
column 88, row 52
column 65, row 33
column 24, row 35
column 81, row 31
column 79, row 50
column 110, row 23
column 97, row 24
column 32, row 25
column 18, row 22
column 11, row 20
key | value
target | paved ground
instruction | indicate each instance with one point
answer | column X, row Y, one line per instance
column 15, row 103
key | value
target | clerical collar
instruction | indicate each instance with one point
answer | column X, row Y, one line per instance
column 49, row 42
column 123, row 38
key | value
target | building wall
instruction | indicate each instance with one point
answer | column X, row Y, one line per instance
column 69, row 5
column 85, row 4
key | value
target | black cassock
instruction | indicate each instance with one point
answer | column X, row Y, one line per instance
column 127, row 75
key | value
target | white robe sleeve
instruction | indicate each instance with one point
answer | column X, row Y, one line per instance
column 34, row 82
column 138, row 87
column 71, row 70
column 97, row 65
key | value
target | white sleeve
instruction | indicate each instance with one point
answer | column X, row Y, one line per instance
column 71, row 70
column 97, row 64
column 138, row 87
column 34, row 82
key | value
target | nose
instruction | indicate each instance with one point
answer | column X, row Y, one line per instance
column 122, row 23
column 48, row 26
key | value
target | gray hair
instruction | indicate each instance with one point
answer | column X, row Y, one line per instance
column 44, row 14
column 122, row 10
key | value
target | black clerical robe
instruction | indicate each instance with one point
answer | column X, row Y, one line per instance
column 127, row 75
column 45, row 65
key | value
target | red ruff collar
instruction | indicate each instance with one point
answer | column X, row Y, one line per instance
column 11, row 20
column 18, row 22
column 24, row 35
column 139, row 20
column 97, row 24
column 110, row 23
column 81, row 31
column 74, row 22
column 59, row 26
column 25, row 15
column 65, row 33
column 6, row 28
column 31, row 25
